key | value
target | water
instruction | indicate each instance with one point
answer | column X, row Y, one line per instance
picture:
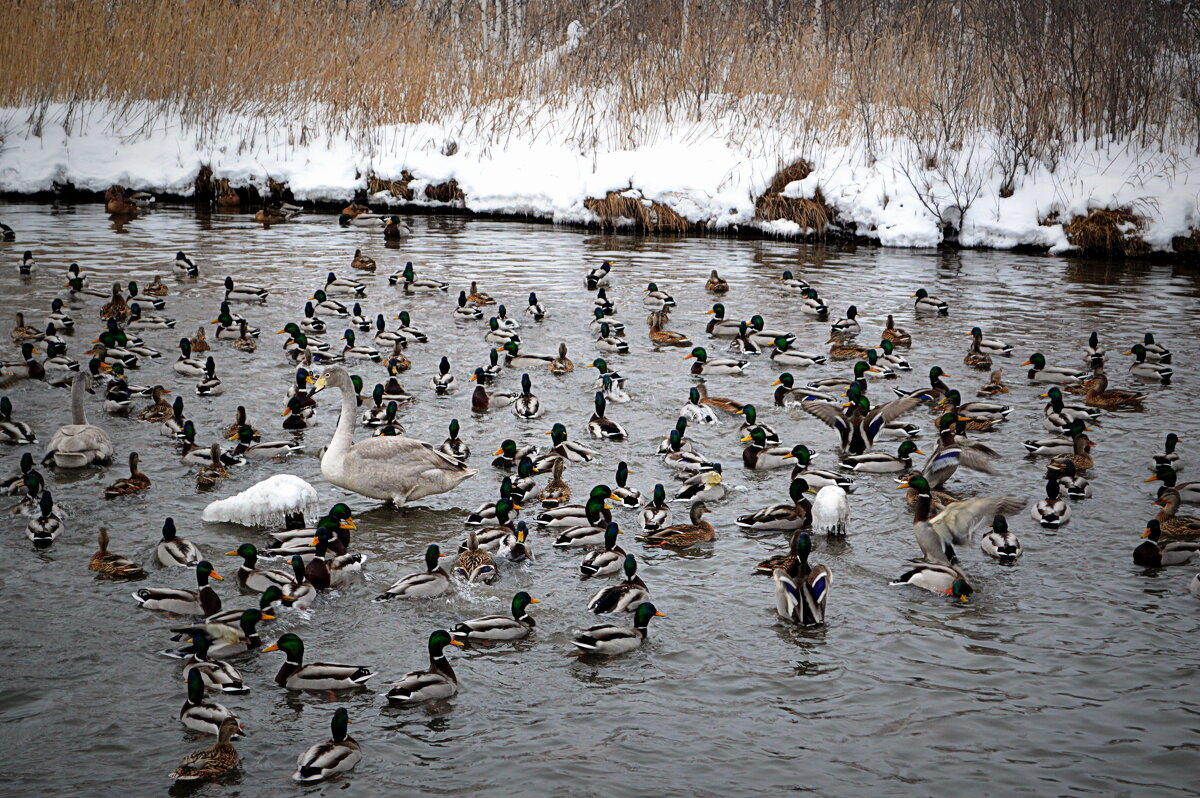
column 1069, row 672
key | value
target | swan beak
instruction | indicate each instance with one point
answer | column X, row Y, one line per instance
column 454, row 642
column 918, row 451
column 1146, row 534
column 1148, row 479
column 272, row 647
column 687, row 357
column 659, row 615
column 217, row 576
column 747, row 438
column 777, row 382
column 1027, row 363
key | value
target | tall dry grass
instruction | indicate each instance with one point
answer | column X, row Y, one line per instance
column 1040, row 72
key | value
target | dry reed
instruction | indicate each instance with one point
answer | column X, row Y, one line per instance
column 1105, row 231
column 620, row 208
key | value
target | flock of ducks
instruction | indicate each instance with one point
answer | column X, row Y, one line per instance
column 875, row 436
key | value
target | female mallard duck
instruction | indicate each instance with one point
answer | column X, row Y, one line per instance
column 682, row 536
column 159, row 409
column 23, row 332
column 607, row 560
column 527, row 405
column 1100, row 395
column 245, row 341
column 930, row 304
column 599, row 425
column 896, row 335
column 557, row 492
column 338, row 754
column 1051, row 512
column 657, row 512
column 116, row 309
column 295, row 675
column 716, row 283
column 999, row 542
column 499, row 627
column 1157, row 553
column 663, row 337
column 211, row 763
column 199, row 715
column 432, row 582
column 610, row 639
column 795, row 514
column 212, row 473
column 622, row 597
column 976, row 358
column 254, row 579
column 477, row 297
column 474, row 564
column 483, row 400
column 1143, row 369
column 1040, row 372
column 561, row 364
column 599, row 277
column 719, row 326
column 705, row 485
column 515, row 358
column 11, row 430
column 881, row 463
column 136, row 482
column 568, row 450
column 995, row 385
column 79, row 444
column 173, row 551
column 705, row 366
column 840, row 350
column 759, row 457
column 187, row 365
column 801, row 590
column 395, row 468
column 1189, row 492
column 112, row 565
column 437, row 682
column 1173, row 525
column 203, row 601
column 1080, row 449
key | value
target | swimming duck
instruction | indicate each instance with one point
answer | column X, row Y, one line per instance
column 1100, row 395
column 599, row 277
column 254, row 579
column 663, row 337
column 210, row 384
column 930, row 304
column 11, row 430
column 1169, row 457
column 783, row 355
column 655, row 299
column 697, row 412
column 976, row 358
column 705, row 366
column 716, row 283
column 1076, row 486
column 896, row 335
column 680, row 536
column 508, row 455
column 264, row 450
column 1157, row 553
column 483, row 400
column 432, row 582
column 214, row 762
column 1080, row 449
column 199, row 715
column 1051, row 512
column 881, row 463
column 344, row 285
column 796, row 514
column 707, row 484
column 590, row 532
column 567, row 515
column 144, row 298
column 813, row 305
column 23, row 332
column 338, row 754
column 612, row 640
column 801, row 591
column 173, row 551
column 58, row 317
column 1059, row 415
column 1040, row 372
column 743, row 343
column 214, row 674
column 557, row 492
column 245, row 292
column 606, row 561
column 1173, row 525
column 624, row 596
column 474, row 564
column 496, row 334
column 295, row 675
column 136, row 482
column 203, row 601
column 657, row 512
column 527, row 405
column 600, row 426
column 719, row 326
column 438, row 682
column 848, row 326
column 561, row 447
column 683, row 460
column 116, row 309
column 513, row 357
column 1155, row 352
column 840, row 350
column 861, row 424
column 114, row 566
column 1189, row 492
column 1143, row 369
column 1000, row 543
column 45, row 525
column 409, row 281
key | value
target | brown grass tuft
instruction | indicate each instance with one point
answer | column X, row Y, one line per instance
column 646, row 215
column 203, row 185
column 811, row 214
column 445, row 192
column 797, row 170
column 1189, row 244
column 1107, row 232
column 398, row 188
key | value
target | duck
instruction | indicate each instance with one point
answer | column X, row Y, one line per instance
column 515, row 358
column 764, row 336
column 245, row 292
column 216, row 674
column 930, row 304
column 393, row 229
column 526, row 405
column 976, row 358
column 136, row 482
column 496, row 334
column 954, row 451
column 561, row 447
column 1173, row 525
column 683, row 460
column 246, row 447
column 607, row 342
column 1157, row 553
column 707, row 484
column 896, row 335
column 1080, row 449
column 606, row 561
column 13, row 431
column 1100, row 395
column 199, row 715
column 1076, row 486
column 625, row 596
column 214, row 762
column 1060, row 415
column 327, row 305
column 1051, row 512
column 430, row 583
column 718, row 366
column 801, row 591
column 410, row 282
column 116, row 309
column 656, row 513
column 680, row 536
column 881, row 463
column 744, row 343
column 557, row 492
column 848, row 326
column 660, row 336
column 813, row 305
column 613, row 640
column 202, row 601
column 173, row 551
column 1188, row 492
column 656, row 299
column 588, row 531
column 473, row 564
column 210, row 384
column 136, row 295
column 955, row 524
column 599, row 425
column 254, row 579
column 226, row 639
column 483, row 400
column 783, row 355
column 339, row 754
column 817, row 478
column 719, row 326
column 295, row 675
column 59, row 318
column 1040, row 372
column 999, row 543
column 796, row 514
column 79, row 444
column 111, row 565
column 841, row 350
column 991, row 346
column 509, row 454
column 46, row 524
column 599, row 277
column 861, row 424
column 344, row 285
column 750, row 413
column 716, row 283
column 184, row 265
column 696, row 411
column 186, row 365
column 212, row 473
column 1143, row 369
column 438, row 682
column 23, row 332
column 1169, row 457
column 1155, row 352
column 788, row 394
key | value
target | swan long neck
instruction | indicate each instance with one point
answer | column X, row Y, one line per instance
column 78, row 416
column 343, row 436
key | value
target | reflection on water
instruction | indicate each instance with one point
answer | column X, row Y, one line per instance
column 1067, row 671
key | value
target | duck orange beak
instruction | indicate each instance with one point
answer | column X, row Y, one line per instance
column 1146, row 534
column 903, row 485
column 267, row 617
column 272, row 647
column 287, row 411
column 1027, row 363
column 1151, row 479
column 217, row 576
column 454, row 642
column 659, row 615
column 687, row 357
column 747, row 438
column 777, row 382
column 498, row 452
column 918, row 451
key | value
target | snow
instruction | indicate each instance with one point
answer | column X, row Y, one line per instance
column 265, row 503
column 545, row 162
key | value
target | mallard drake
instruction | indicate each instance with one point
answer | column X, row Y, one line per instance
column 295, row 675
column 599, row 277
column 203, row 601
column 1173, row 525
column 1189, row 492
column 684, row 535
column 432, row 582
column 1100, row 395
column 991, row 346
column 849, row 325
column 499, row 627
column 764, row 336
column 114, row 566
column 657, row 512
column 1060, row 415
column 486, row 512
column 796, row 514
column 788, row 394
column 630, row 497
column 210, row 384
column 607, row 342
column 1077, row 487
column 719, row 326
column 751, row 423
column 15, row 484
column 599, row 425
column 696, row 411
column 1155, row 352
column 184, row 265
column 707, row 484
column 490, row 538
column 453, row 445
column 568, row 450
column 801, row 590
column 443, row 381
column 45, row 525
column 245, row 292
column 437, row 682
column 474, row 564
column 254, row 579
column 59, row 318
column 881, row 463
column 327, row 305
column 817, row 478
column 785, row 356
column 744, row 343
column 497, row 334
column 338, row 754
column 604, row 305
column 515, row 358
column 1000, row 543
column 173, row 551
column 504, row 321
column 527, row 405
column 136, row 482
column 214, row 674
column 716, row 283
column 590, row 532
column 860, row 424
column 409, row 281
column 136, row 295
column 393, row 230
column 13, row 431
column 509, row 455
column 196, row 454
column 483, row 400
column 214, row 762
column 656, row 299
column 929, row 304
column 1143, row 369
column 705, row 366
column 1157, row 553
column 186, row 365
column 1169, row 457
column 1051, row 512
column 514, row 546
column 1040, row 372
column 953, row 452
column 886, row 356
column 955, row 524
column 606, row 561
column 525, row 484
column 612, row 640
column 624, row 596
column 535, row 309
column 344, row 285
column 325, row 571
column 199, row 715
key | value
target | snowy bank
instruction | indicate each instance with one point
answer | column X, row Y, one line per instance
column 710, row 174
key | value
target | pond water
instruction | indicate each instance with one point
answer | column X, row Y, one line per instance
column 1071, row 671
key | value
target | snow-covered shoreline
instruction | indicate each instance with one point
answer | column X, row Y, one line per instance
column 709, row 173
